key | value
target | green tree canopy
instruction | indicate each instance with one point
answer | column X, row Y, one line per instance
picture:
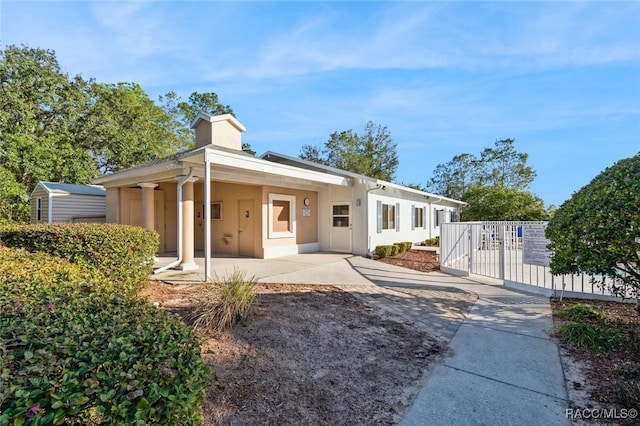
column 371, row 153
column 495, row 184
column 55, row 127
column 501, row 203
column 41, row 109
column 127, row 128
column 500, row 165
column 597, row 231
column 183, row 113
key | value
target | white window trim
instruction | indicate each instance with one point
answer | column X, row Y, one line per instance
column 418, row 213
column 292, row 215
column 38, row 209
column 393, row 217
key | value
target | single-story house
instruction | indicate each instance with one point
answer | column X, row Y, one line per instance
column 219, row 199
column 65, row 202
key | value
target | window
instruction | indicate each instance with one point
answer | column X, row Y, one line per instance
column 282, row 222
column 388, row 216
column 39, row 209
column 340, row 216
column 418, row 217
column 216, row 210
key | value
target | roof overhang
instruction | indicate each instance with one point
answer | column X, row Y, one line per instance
column 227, row 165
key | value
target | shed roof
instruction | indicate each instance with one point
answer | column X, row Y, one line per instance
column 72, row 188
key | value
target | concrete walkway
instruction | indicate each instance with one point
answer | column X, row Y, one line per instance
column 502, row 367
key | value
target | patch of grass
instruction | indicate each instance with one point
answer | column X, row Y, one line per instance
column 225, row 302
column 582, row 312
column 587, row 336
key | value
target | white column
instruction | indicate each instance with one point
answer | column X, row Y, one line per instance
column 188, row 262
column 207, row 218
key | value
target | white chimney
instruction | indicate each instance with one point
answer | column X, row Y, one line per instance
column 220, row 130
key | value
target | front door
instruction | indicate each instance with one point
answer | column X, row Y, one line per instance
column 341, row 227
column 246, row 228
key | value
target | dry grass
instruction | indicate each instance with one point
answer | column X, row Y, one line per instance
column 224, row 302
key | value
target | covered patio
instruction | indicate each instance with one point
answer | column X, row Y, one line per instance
column 320, row 268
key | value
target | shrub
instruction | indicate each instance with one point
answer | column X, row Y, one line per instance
column 399, row 247
column 74, row 355
column 121, row 253
column 383, row 251
column 581, row 312
column 407, row 245
column 225, row 302
column 394, row 250
column 589, row 336
column 433, row 242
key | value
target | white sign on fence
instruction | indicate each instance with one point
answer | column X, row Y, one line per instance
column 534, row 245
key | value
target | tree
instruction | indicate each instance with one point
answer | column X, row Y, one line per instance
column 14, row 201
column 182, row 114
column 125, row 128
column 54, row 127
column 501, row 203
column 371, row 153
column 41, row 109
column 452, row 179
column 504, row 166
column 495, row 184
column 597, row 231
column 202, row 102
column 312, row 153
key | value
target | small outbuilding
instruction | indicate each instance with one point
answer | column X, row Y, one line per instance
column 68, row 203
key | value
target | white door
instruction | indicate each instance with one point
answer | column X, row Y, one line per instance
column 341, row 227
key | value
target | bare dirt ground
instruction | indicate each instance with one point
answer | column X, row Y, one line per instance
column 308, row 355
column 420, row 260
column 605, row 380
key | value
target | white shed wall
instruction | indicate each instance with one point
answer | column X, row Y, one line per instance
column 39, row 192
column 68, row 206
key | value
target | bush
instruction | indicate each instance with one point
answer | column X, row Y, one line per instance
column 383, row 251
column 121, row 253
column 433, row 242
column 399, row 247
column 581, row 335
column 225, row 302
column 407, row 245
column 581, row 312
column 75, row 355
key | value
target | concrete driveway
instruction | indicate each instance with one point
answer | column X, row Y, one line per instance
column 502, row 368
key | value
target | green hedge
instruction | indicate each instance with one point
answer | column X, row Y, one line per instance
column 433, row 242
column 121, row 253
column 383, row 251
column 73, row 351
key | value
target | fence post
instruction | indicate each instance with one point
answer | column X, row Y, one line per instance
column 501, row 252
column 472, row 245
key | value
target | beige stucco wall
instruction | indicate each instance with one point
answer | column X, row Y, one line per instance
column 224, row 233
column 221, row 133
column 306, row 227
column 113, row 205
column 130, row 210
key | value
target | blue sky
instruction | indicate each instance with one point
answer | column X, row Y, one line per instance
column 562, row 78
